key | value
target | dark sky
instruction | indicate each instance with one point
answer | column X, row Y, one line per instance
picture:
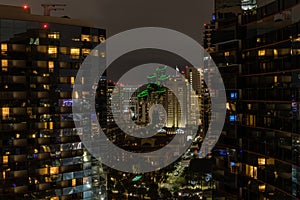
column 119, row 15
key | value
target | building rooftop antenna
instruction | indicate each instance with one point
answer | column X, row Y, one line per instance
column 52, row 7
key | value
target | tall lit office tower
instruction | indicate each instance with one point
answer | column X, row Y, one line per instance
column 42, row 156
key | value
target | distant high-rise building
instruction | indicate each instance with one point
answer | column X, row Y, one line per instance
column 42, row 156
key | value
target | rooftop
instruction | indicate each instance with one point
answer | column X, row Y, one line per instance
column 20, row 13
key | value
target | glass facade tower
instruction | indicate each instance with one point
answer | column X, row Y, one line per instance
column 42, row 156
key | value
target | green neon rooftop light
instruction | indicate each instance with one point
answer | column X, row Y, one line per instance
column 164, row 77
column 161, row 91
column 143, row 94
column 161, row 68
column 152, row 76
column 138, row 177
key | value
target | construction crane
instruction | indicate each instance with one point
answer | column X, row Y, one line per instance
column 52, row 7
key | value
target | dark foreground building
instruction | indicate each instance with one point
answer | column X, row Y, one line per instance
column 42, row 156
column 257, row 42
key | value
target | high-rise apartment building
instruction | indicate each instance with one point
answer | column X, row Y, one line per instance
column 42, row 156
column 257, row 155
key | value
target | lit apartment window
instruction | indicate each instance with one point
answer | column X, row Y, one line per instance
column 3, row 47
column 51, row 65
column 262, row 52
column 5, row 159
column 54, row 170
column 75, row 52
column 54, row 35
column 262, row 187
column 4, row 63
column 74, row 182
column 52, row 50
column 72, row 80
column 261, row 161
column 226, row 54
column 3, row 175
column 275, row 79
column 86, row 38
column 251, row 171
column 275, row 53
column 5, row 112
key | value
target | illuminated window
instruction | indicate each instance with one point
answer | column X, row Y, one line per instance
column 275, row 53
column 262, row 52
column 251, row 171
column 72, row 80
column 75, row 52
column 54, row 170
column 275, row 79
column 54, row 35
column 258, row 40
column 17, row 135
column 52, row 50
column 74, row 182
column 46, row 87
column 51, row 65
column 86, row 38
column 4, row 63
column 5, row 112
column 5, row 159
column 261, row 161
column 262, row 187
column 3, row 175
column 50, row 125
column 226, row 54
column 3, row 47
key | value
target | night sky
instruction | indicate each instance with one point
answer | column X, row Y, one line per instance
column 119, row 15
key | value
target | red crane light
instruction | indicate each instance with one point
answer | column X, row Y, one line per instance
column 25, row 6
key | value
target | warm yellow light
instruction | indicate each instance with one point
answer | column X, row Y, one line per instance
column 74, row 182
column 262, row 52
column 50, row 64
column 3, row 47
column 4, row 63
column 54, row 170
column 86, row 38
column 5, row 159
column 72, row 80
column 50, row 125
column 262, row 188
column 5, row 112
column 54, row 35
column 261, row 161
column 226, row 54
column 52, row 50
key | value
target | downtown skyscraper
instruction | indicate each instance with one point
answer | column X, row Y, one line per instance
column 256, row 46
column 42, row 156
